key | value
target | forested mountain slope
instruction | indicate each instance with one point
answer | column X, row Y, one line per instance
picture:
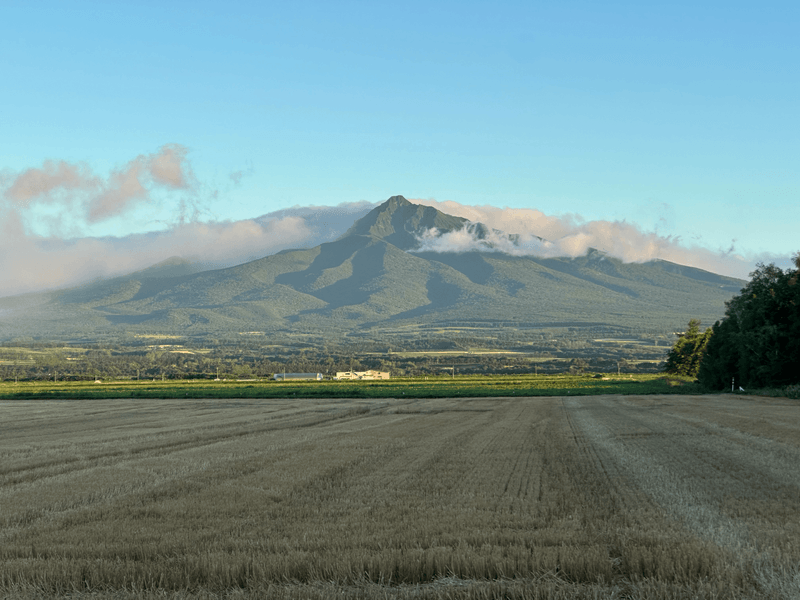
column 370, row 278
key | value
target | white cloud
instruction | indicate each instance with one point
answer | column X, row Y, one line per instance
column 571, row 235
column 76, row 191
column 31, row 262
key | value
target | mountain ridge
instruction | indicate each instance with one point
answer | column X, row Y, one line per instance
column 375, row 276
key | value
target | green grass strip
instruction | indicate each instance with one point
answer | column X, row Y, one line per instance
column 420, row 387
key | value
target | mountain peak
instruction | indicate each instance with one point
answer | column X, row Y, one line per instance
column 395, row 201
column 401, row 222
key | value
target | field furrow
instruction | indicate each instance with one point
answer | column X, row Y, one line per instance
column 644, row 497
column 709, row 481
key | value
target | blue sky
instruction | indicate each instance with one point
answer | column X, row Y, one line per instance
column 680, row 119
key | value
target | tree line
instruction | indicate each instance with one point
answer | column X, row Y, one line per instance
column 757, row 342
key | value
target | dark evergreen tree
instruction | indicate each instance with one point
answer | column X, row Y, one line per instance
column 758, row 341
column 685, row 356
column 721, row 360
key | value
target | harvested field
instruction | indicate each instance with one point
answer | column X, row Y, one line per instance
column 549, row 497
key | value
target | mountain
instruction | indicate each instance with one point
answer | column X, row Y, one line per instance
column 374, row 279
column 401, row 223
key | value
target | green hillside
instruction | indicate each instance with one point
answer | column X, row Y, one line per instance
column 370, row 280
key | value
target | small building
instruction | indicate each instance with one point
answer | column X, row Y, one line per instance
column 298, row 377
column 362, row 375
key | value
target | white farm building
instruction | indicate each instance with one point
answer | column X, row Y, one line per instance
column 298, row 376
column 362, row 375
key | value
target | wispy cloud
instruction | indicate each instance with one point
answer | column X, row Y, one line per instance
column 571, row 235
column 33, row 262
column 76, row 188
column 237, row 176
column 39, row 184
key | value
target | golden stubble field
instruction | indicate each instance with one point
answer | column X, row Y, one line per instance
column 560, row 497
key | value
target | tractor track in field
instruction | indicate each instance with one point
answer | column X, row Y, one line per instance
column 174, row 441
column 15, row 479
column 696, row 473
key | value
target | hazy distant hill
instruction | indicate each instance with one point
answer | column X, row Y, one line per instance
column 371, row 278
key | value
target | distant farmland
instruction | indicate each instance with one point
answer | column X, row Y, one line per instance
column 660, row 496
